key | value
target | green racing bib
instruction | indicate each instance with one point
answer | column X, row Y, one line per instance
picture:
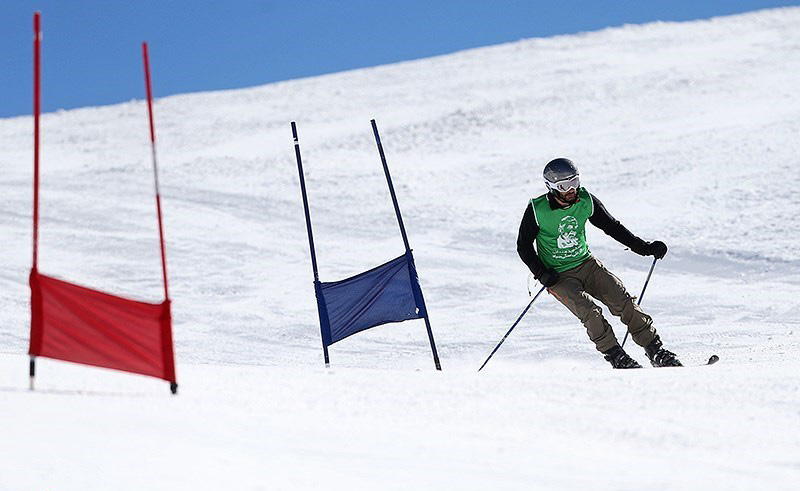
column 561, row 242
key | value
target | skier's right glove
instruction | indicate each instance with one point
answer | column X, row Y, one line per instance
column 548, row 277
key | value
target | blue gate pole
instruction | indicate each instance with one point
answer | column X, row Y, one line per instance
column 412, row 268
column 317, row 289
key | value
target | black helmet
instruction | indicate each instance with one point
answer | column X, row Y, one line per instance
column 561, row 175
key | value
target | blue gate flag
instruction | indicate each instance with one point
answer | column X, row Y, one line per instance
column 386, row 293
column 381, row 295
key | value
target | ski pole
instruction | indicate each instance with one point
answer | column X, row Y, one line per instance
column 512, row 328
column 639, row 300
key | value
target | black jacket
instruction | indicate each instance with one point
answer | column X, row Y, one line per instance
column 528, row 230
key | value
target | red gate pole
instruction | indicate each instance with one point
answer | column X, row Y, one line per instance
column 155, row 166
column 166, row 329
column 37, row 109
column 37, row 76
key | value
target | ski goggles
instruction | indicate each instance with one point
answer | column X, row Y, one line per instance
column 566, row 185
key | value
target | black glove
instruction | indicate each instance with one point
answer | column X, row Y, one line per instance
column 657, row 249
column 548, row 277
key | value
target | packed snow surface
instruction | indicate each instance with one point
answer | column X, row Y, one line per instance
column 688, row 132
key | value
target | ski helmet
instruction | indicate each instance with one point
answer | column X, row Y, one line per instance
column 561, row 175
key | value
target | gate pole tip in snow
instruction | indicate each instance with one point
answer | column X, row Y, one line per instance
column 412, row 268
column 317, row 285
column 173, row 387
column 32, row 370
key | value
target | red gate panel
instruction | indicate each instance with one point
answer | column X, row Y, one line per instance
column 78, row 324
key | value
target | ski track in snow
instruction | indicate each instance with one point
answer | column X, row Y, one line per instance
column 688, row 132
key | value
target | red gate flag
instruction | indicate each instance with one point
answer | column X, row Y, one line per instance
column 77, row 324
column 81, row 325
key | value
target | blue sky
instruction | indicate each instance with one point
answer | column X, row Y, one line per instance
column 92, row 49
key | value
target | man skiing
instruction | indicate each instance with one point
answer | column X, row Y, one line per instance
column 562, row 262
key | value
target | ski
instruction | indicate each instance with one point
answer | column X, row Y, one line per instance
column 713, row 359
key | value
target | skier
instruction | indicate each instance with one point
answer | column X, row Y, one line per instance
column 562, row 262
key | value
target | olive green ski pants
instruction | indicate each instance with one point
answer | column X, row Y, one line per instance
column 576, row 288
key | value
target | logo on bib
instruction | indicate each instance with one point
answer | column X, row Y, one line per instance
column 568, row 236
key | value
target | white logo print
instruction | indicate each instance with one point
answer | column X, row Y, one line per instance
column 567, row 234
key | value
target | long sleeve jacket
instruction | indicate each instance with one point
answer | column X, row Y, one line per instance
column 528, row 230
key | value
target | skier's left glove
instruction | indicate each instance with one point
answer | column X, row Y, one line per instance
column 548, row 277
column 657, row 249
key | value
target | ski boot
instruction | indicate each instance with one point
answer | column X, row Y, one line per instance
column 659, row 357
column 619, row 359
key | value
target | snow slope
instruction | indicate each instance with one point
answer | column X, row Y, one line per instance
column 688, row 132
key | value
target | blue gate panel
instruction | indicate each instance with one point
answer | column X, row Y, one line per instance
column 378, row 296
